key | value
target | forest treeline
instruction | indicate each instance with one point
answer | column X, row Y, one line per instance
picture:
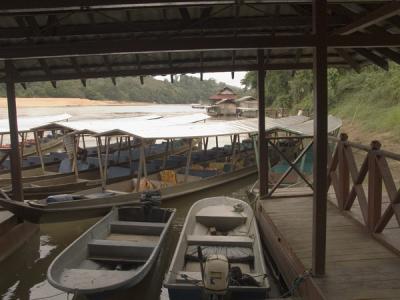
column 185, row 89
column 371, row 98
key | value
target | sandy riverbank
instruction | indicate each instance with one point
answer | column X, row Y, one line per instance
column 46, row 102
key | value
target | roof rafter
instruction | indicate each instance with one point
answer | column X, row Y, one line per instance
column 371, row 18
column 349, row 59
column 375, row 59
column 109, row 67
column 161, row 71
column 47, row 70
column 389, row 53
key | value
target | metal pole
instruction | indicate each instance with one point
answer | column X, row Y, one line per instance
column 262, row 143
column 320, row 147
column 16, row 176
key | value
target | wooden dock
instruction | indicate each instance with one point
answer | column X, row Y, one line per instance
column 358, row 265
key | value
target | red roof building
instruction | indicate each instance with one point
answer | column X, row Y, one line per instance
column 225, row 93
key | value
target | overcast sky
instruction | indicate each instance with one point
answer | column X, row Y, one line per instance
column 220, row 77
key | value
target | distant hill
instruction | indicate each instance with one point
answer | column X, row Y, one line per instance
column 185, row 89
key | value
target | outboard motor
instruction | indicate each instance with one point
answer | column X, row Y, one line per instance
column 216, row 274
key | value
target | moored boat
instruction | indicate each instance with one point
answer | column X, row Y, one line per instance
column 98, row 201
column 116, row 253
column 218, row 253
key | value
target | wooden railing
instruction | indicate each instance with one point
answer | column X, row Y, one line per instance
column 349, row 182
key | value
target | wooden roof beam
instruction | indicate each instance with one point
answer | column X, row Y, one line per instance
column 47, row 70
column 139, row 68
column 349, row 59
column 201, row 66
column 371, row 18
column 78, row 69
column 389, row 53
column 185, row 14
column 109, row 68
column 121, row 46
column 170, row 65
column 156, row 71
column 375, row 59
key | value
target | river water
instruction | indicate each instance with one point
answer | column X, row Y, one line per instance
column 23, row 275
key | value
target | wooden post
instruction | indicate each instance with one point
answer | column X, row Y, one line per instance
column 76, row 171
column 129, row 153
column 205, row 144
column 262, row 143
column 23, row 138
column 119, row 149
column 255, row 146
column 374, row 187
column 142, row 146
column 139, row 174
column 216, row 142
column 39, row 150
column 16, row 176
column 98, row 139
column 188, row 160
column 106, row 160
column 344, row 175
column 83, row 141
column 165, row 155
column 320, row 147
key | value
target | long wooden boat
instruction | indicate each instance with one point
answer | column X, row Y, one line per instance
column 97, row 202
column 37, row 183
column 116, row 253
column 218, row 229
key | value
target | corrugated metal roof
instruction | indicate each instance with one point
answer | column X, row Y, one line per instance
column 26, row 124
column 26, row 29
column 122, row 126
column 296, row 124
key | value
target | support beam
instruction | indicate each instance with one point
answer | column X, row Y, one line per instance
column 262, row 142
column 109, row 68
column 375, row 59
column 376, row 16
column 47, row 70
column 16, row 176
column 188, row 160
column 389, row 53
column 320, row 147
column 349, row 59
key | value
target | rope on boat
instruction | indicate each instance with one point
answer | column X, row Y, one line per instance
column 296, row 283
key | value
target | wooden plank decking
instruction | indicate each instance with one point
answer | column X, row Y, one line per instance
column 358, row 266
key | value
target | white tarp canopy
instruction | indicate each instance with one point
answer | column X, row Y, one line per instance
column 246, row 126
column 123, row 126
column 297, row 124
column 25, row 124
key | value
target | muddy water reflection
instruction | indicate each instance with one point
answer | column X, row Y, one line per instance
column 23, row 275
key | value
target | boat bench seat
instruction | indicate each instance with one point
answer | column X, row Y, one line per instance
column 112, row 250
column 195, row 277
column 145, row 228
column 220, row 240
column 234, row 254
